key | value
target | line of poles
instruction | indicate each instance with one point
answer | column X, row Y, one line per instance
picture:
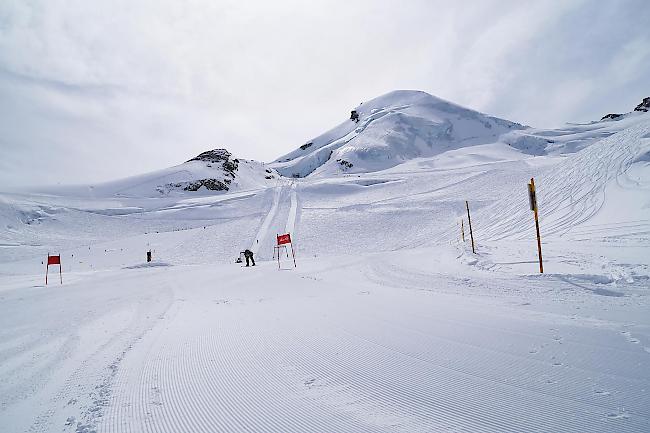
column 532, row 198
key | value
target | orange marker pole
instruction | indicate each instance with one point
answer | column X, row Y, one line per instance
column 533, row 201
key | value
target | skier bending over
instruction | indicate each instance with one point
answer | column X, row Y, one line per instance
column 249, row 256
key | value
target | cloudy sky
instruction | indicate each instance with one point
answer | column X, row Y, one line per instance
column 97, row 90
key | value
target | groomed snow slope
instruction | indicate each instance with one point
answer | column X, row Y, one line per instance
column 392, row 342
column 388, row 324
column 392, row 129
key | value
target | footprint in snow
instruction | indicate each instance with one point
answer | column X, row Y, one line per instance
column 629, row 337
column 617, row 415
column 601, row 392
column 312, row 383
column 87, row 428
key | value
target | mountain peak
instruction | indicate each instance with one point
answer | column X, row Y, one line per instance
column 644, row 105
column 390, row 129
column 214, row 156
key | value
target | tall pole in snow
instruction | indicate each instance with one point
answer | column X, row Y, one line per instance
column 469, row 220
column 532, row 198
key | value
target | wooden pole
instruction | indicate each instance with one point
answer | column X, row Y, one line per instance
column 539, row 238
column 462, row 228
column 469, row 221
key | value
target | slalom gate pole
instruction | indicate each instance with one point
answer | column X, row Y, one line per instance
column 47, row 269
column 294, row 256
column 533, row 201
column 60, row 273
column 469, row 220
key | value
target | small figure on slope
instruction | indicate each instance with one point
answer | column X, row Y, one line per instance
column 249, row 257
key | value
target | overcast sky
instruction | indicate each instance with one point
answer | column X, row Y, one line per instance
column 98, row 90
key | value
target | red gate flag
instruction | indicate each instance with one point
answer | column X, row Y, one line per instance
column 53, row 260
column 284, row 239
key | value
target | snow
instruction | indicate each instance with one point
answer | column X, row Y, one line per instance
column 389, row 323
column 392, row 129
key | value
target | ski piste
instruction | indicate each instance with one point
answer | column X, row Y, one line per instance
column 389, row 323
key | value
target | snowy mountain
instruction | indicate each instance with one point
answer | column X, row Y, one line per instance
column 388, row 323
column 392, row 129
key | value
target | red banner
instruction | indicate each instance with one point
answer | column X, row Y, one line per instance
column 284, row 239
column 53, row 260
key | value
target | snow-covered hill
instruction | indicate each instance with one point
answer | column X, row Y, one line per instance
column 392, row 129
column 389, row 322
column 213, row 171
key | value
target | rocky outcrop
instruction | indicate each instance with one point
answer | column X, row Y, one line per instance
column 218, row 159
column 210, row 184
column 346, row 165
column 644, row 105
column 611, row 116
column 219, row 156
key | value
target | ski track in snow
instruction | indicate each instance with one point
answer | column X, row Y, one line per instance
column 264, row 228
column 293, row 211
column 572, row 201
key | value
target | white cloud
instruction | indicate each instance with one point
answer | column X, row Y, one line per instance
column 102, row 89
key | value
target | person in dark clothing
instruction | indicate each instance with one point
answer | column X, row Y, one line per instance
column 249, row 257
